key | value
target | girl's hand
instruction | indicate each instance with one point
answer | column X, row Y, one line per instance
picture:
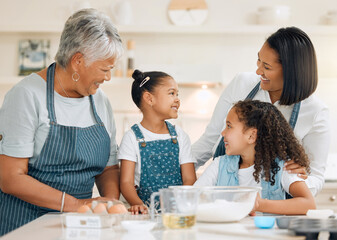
column 256, row 205
column 295, row 168
column 138, row 209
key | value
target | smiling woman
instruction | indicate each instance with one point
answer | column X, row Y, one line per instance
column 286, row 76
column 58, row 128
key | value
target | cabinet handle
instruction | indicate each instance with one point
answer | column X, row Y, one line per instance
column 333, row 198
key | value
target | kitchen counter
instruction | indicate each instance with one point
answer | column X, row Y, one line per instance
column 50, row 226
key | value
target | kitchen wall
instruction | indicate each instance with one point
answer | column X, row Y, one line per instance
column 229, row 39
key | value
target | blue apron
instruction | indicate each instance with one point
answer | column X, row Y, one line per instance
column 160, row 167
column 221, row 150
column 70, row 159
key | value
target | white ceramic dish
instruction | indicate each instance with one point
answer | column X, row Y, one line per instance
column 134, row 225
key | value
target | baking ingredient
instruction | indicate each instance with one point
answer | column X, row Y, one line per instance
column 223, row 211
column 100, row 208
column 117, row 208
column 176, row 220
column 84, row 209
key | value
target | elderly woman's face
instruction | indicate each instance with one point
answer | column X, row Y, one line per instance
column 270, row 70
column 94, row 75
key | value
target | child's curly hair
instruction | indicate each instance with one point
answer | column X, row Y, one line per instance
column 275, row 138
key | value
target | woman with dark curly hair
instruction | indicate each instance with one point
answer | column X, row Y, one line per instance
column 258, row 141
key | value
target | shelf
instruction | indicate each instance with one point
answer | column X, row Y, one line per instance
column 171, row 29
column 12, row 80
column 241, row 30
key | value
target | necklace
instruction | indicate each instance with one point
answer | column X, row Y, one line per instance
column 58, row 80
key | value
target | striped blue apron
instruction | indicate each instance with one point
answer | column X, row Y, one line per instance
column 69, row 161
column 221, row 150
column 160, row 167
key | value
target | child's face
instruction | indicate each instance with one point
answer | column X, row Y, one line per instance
column 236, row 139
column 166, row 101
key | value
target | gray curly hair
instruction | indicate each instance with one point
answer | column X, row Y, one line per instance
column 91, row 33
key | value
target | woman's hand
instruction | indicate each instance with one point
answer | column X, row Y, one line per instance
column 256, row 205
column 295, row 168
column 136, row 209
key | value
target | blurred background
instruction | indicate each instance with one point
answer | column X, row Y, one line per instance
column 203, row 44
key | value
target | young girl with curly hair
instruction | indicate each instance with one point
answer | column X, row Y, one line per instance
column 258, row 141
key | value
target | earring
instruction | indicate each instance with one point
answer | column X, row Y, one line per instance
column 75, row 76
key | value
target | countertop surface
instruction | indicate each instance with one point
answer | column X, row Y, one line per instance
column 50, row 226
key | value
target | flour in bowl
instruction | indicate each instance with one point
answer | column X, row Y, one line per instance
column 223, row 211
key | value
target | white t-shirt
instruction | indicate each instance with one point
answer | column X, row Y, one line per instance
column 24, row 122
column 312, row 128
column 129, row 147
column 246, row 178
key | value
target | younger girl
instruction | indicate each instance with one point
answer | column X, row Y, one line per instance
column 154, row 154
column 258, row 140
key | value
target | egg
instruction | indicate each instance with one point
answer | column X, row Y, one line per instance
column 100, row 208
column 118, row 208
column 110, row 203
column 84, row 209
column 93, row 204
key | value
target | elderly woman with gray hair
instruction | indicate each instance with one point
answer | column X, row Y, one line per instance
column 57, row 131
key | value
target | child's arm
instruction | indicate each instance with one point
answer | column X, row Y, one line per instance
column 128, row 189
column 188, row 173
column 301, row 202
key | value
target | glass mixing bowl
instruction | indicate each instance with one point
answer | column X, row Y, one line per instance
column 225, row 204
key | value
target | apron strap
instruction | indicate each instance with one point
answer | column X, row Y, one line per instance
column 98, row 119
column 294, row 115
column 252, row 93
column 172, row 131
column 139, row 135
column 50, row 93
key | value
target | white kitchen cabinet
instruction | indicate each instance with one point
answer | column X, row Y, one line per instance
column 327, row 198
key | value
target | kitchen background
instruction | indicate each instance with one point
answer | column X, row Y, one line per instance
column 202, row 58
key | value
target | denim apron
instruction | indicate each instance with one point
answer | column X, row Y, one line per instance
column 228, row 176
column 160, row 167
column 221, row 150
column 70, row 159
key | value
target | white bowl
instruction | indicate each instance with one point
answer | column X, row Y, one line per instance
column 133, row 225
column 225, row 204
column 273, row 15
